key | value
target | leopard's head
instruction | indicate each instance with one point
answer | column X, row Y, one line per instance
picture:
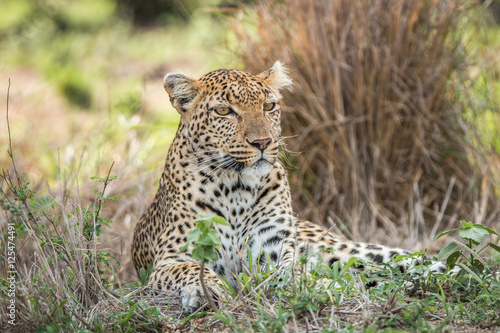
column 231, row 119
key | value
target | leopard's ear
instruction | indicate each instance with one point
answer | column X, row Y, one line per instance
column 182, row 89
column 277, row 78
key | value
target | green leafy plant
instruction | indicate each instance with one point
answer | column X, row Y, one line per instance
column 205, row 242
column 144, row 274
column 479, row 287
column 456, row 251
column 204, row 238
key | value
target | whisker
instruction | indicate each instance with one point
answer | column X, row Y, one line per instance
column 219, row 165
column 216, row 150
column 216, row 163
column 203, row 158
column 222, row 165
column 198, row 154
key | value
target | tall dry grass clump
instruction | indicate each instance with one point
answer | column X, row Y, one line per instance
column 375, row 114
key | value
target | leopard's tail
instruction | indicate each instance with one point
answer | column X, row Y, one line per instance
column 316, row 242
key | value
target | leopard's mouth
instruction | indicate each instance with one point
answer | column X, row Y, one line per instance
column 263, row 161
column 238, row 166
column 240, row 160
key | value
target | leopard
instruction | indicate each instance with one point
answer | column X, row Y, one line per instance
column 224, row 161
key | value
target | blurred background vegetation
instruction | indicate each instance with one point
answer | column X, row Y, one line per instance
column 89, row 72
column 86, row 90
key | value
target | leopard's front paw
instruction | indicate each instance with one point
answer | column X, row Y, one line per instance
column 184, row 277
column 193, row 297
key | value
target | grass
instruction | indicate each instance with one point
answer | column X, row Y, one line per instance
column 89, row 96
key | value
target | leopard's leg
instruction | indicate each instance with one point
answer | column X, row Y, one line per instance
column 184, row 277
column 173, row 270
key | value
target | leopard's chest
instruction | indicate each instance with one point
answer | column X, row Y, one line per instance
column 260, row 223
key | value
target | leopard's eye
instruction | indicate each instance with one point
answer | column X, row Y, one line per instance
column 269, row 106
column 223, row 110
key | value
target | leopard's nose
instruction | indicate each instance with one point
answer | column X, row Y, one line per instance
column 260, row 144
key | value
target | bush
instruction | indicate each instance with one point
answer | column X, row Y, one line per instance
column 53, row 269
column 376, row 112
column 144, row 13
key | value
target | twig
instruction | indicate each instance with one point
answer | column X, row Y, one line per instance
column 6, row 175
column 106, row 183
column 204, row 287
column 9, row 150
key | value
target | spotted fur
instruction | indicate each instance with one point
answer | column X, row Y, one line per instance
column 224, row 161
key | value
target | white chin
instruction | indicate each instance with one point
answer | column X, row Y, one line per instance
column 258, row 169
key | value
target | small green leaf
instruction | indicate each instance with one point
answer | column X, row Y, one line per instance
column 142, row 275
column 198, row 253
column 474, row 234
column 184, row 248
column 43, row 205
column 467, row 224
column 447, row 232
column 446, row 251
column 211, row 255
column 209, row 239
column 486, row 228
column 452, row 259
column 204, row 241
column 494, row 246
column 193, row 235
column 51, row 328
column 220, row 220
column 214, row 237
column 478, row 265
column 204, row 225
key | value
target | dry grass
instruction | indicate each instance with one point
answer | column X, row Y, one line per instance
column 377, row 115
column 60, row 278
